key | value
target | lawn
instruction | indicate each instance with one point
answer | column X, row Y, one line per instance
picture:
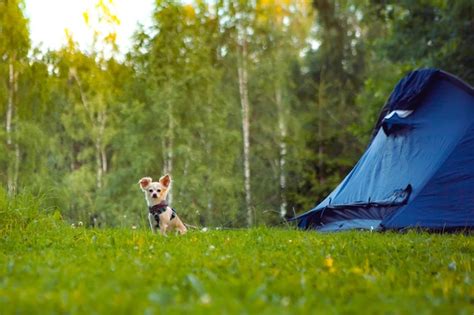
column 46, row 267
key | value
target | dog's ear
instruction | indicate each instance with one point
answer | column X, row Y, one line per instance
column 165, row 180
column 145, row 182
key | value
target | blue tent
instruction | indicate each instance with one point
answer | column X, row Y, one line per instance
column 418, row 170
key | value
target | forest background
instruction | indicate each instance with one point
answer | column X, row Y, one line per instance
column 257, row 109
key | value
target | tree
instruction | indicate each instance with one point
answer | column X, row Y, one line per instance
column 239, row 29
column 334, row 75
column 283, row 26
column 92, row 89
column 431, row 33
column 179, row 77
column 14, row 45
column 255, row 108
column 104, row 43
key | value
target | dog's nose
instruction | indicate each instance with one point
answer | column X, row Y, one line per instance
column 154, row 196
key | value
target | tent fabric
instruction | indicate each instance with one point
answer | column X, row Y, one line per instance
column 418, row 170
column 406, row 92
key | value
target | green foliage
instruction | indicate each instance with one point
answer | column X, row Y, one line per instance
column 27, row 211
column 49, row 267
column 14, row 38
column 431, row 33
column 87, row 125
column 377, row 88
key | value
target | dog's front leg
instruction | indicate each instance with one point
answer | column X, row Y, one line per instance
column 163, row 227
column 151, row 219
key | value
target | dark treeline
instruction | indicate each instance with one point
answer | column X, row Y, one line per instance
column 256, row 108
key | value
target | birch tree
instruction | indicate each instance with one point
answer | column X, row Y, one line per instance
column 244, row 101
column 93, row 86
column 14, row 45
column 283, row 26
column 241, row 14
column 104, row 45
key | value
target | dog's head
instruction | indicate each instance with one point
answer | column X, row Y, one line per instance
column 155, row 192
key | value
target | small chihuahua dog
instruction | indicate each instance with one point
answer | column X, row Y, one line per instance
column 160, row 214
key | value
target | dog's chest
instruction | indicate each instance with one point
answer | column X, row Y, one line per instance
column 152, row 220
column 164, row 217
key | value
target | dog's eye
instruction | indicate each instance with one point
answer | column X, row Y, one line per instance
column 151, row 190
column 158, row 190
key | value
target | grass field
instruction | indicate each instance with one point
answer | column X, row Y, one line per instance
column 48, row 267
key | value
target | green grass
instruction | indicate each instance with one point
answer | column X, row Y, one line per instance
column 48, row 267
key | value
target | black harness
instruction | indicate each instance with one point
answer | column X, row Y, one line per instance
column 158, row 209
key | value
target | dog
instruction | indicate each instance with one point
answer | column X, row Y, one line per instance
column 160, row 214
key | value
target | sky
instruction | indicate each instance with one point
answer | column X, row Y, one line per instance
column 50, row 18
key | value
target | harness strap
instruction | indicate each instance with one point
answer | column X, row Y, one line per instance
column 158, row 209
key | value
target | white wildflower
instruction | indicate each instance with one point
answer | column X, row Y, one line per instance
column 205, row 298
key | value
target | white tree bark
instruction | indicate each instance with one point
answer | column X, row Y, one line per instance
column 282, row 128
column 14, row 166
column 104, row 159
column 11, row 83
column 168, row 156
column 244, row 101
column 8, row 126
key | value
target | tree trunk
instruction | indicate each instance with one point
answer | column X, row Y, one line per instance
column 104, row 159
column 98, row 124
column 168, row 146
column 321, row 96
column 11, row 84
column 98, row 178
column 282, row 128
column 13, row 168
column 16, row 170
column 101, row 157
column 103, row 153
column 244, row 101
